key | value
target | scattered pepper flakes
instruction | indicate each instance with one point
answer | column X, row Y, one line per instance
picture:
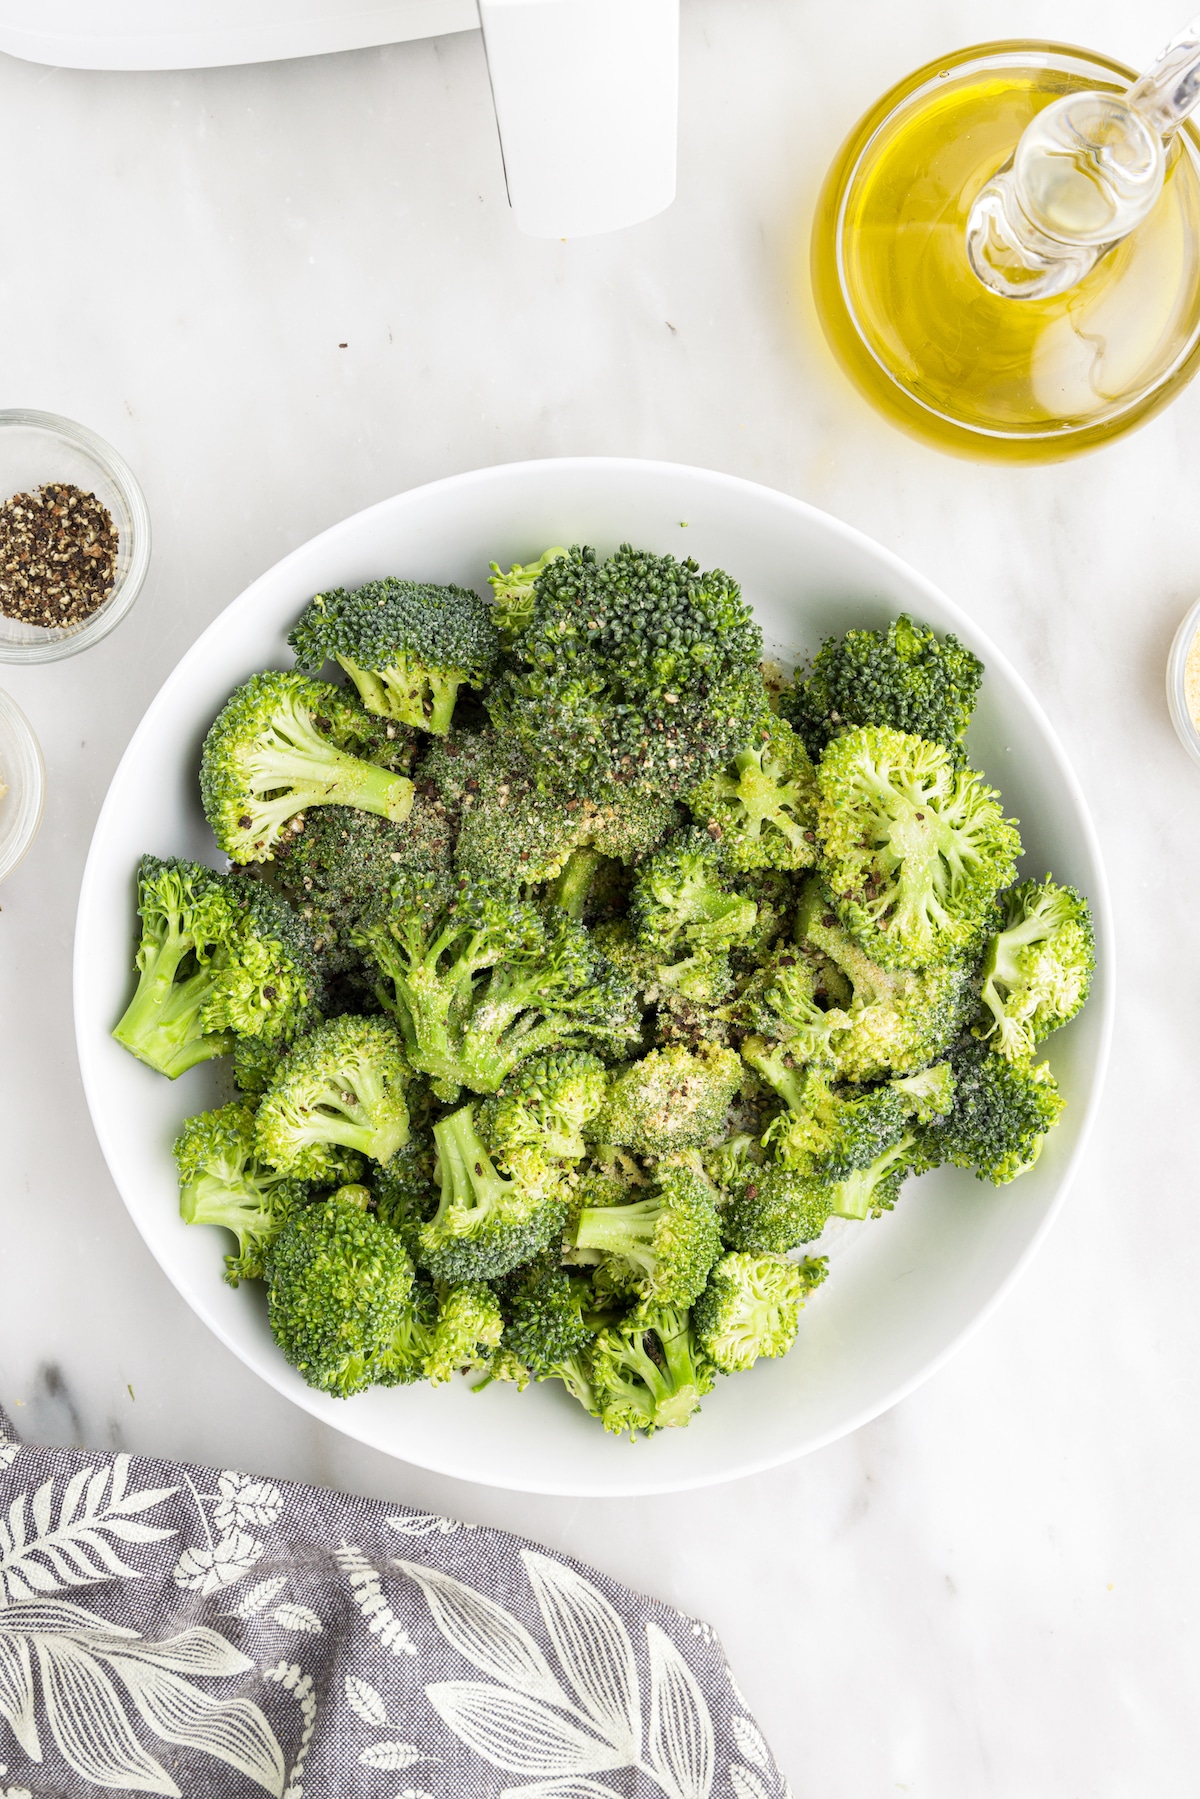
column 58, row 555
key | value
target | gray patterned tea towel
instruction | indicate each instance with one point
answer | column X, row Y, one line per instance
column 169, row 1629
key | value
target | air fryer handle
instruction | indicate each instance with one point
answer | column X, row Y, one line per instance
column 586, row 96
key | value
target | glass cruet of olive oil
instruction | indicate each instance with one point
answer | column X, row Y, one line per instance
column 1006, row 253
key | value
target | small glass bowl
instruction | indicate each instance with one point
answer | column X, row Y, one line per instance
column 37, row 447
column 23, row 773
column 1181, row 717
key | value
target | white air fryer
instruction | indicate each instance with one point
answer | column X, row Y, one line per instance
column 585, row 90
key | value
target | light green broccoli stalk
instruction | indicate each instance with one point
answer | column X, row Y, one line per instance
column 485, row 1224
column 914, row 848
column 763, row 808
column 280, row 744
column 223, row 1181
column 751, row 1308
column 514, row 591
column 341, row 1088
column 649, row 1372
column 342, row 1295
column 661, row 1246
column 218, row 958
column 408, row 647
column 1038, row 967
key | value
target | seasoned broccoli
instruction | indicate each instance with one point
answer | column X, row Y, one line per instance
column 406, row 1189
column 223, row 1181
column 341, row 1294
column 1001, row 1113
column 218, row 958
column 762, row 809
column 484, row 1224
column 779, row 1002
column 686, row 917
column 904, row 677
column 1038, row 967
column 772, row 1209
column 751, row 1307
column 407, row 646
column 915, row 849
column 824, row 1131
column 661, row 1246
column 546, row 1332
column 871, row 1190
column 929, row 1094
column 341, row 1088
column 480, row 980
column 635, row 672
column 514, row 591
column 468, row 1331
column 649, row 1372
column 674, row 1098
column 895, row 1020
column 339, row 866
column 279, row 745
column 546, row 1104
column 256, row 1063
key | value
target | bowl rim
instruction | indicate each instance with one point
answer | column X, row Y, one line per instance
column 110, row 612
column 1186, row 729
column 277, row 1377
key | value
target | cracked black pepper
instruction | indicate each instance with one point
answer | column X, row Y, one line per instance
column 58, row 555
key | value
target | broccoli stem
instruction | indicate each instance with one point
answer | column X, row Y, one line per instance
column 161, row 1024
column 410, row 692
column 571, row 889
column 469, row 1176
column 319, row 774
column 626, row 1231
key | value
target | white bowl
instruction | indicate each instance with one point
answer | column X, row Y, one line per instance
column 904, row 1291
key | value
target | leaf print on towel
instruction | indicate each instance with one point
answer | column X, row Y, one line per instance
column 428, row 1524
column 210, row 1566
column 530, row 1724
column 380, row 1619
column 365, row 1700
column 746, row 1784
column 80, row 1658
column 46, row 1547
column 244, row 1503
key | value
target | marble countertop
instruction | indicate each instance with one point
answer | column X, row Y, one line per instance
column 992, row 1592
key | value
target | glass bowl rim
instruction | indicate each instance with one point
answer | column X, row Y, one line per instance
column 1186, row 730
column 32, row 797
column 108, row 615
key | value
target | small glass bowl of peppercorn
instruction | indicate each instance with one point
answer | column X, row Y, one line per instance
column 74, row 537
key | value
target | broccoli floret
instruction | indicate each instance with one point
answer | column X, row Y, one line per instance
column 751, row 1308
column 1038, row 967
column 280, row 745
column 223, row 1181
column 342, row 1299
column 218, row 958
column 256, row 1063
column 772, row 1209
column 546, row 1332
column 928, row 1094
column 915, row 849
column 408, row 647
column 663, row 1245
column 763, row 807
column 484, row 1224
column 903, row 676
column 674, row 1098
column 514, row 591
column 636, row 672
column 546, row 1104
column 649, row 1372
column 1002, row 1111
column 467, row 1333
column 869, row 1191
column 545, row 987
column 338, row 867
column 779, row 1002
column 894, row 1020
column 341, row 1088
column 686, row 918
column 821, row 1131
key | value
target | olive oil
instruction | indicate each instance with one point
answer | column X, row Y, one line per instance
column 932, row 346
